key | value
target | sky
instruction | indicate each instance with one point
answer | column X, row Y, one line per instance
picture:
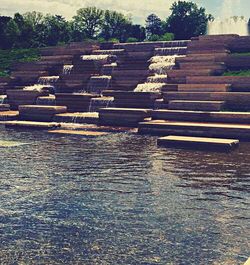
column 138, row 9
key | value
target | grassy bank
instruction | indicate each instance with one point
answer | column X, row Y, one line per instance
column 7, row 57
column 237, row 73
column 241, row 54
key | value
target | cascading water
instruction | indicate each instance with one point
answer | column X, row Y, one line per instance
column 227, row 23
column 43, row 83
column 99, row 83
column 48, row 80
column 46, row 100
column 36, row 87
column 159, row 65
column 67, row 68
column 3, row 99
column 102, row 102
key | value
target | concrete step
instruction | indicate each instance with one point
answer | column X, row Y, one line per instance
column 75, row 102
column 171, row 51
column 40, row 112
column 196, row 105
column 77, row 117
column 111, row 52
column 18, row 97
column 198, row 143
column 8, row 115
column 239, row 83
column 78, row 133
column 190, row 72
column 31, row 124
column 129, row 117
column 204, row 87
column 202, row 116
column 4, row 107
column 200, row 129
column 202, row 65
column 230, row 97
column 205, row 50
column 134, row 95
column 202, row 58
column 170, row 87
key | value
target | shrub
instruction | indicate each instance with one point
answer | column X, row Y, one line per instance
column 167, row 37
column 154, row 37
column 114, row 40
column 131, row 39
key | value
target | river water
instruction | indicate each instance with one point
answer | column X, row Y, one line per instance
column 119, row 199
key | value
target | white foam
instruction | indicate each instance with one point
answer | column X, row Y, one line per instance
column 94, row 57
column 149, row 87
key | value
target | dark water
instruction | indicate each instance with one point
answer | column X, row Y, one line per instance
column 118, row 199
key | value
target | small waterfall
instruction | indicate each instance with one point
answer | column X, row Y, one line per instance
column 171, row 51
column 99, row 58
column 232, row 25
column 99, row 83
column 3, row 99
column 102, row 102
column 107, row 69
column 37, row 87
column 46, row 101
column 149, row 87
column 67, row 68
column 94, row 57
column 48, row 80
column 157, row 79
column 159, row 65
column 109, row 52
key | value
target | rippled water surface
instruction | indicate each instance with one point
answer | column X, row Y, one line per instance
column 118, row 199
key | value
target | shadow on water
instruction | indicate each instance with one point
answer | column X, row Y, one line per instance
column 118, row 199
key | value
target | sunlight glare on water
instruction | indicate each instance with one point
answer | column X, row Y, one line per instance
column 118, row 199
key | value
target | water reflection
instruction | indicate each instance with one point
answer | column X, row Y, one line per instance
column 118, row 199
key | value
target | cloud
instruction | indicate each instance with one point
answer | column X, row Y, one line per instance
column 138, row 9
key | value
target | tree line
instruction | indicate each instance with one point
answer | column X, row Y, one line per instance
column 33, row 29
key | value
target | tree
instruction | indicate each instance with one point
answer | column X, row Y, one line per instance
column 187, row 20
column 34, row 18
column 154, row 26
column 26, row 32
column 3, row 25
column 248, row 26
column 115, row 25
column 56, row 29
column 88, row 21
column 138, row 32
column 12, row 33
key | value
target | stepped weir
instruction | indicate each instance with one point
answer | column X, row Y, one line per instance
column 175, row 87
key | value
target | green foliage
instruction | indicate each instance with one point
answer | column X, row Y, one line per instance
column 131, row 39
column 101, row 40
column 241, row 54
column 187, row 20
column 154, row 26
column 115, row 25
column 3, row 25
column 114, row 40
column 167, row 37
column 88, row 21
column 7, row 57
column 237, row 73
column 154, row 37
column 138, row 32
column 56, row 29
